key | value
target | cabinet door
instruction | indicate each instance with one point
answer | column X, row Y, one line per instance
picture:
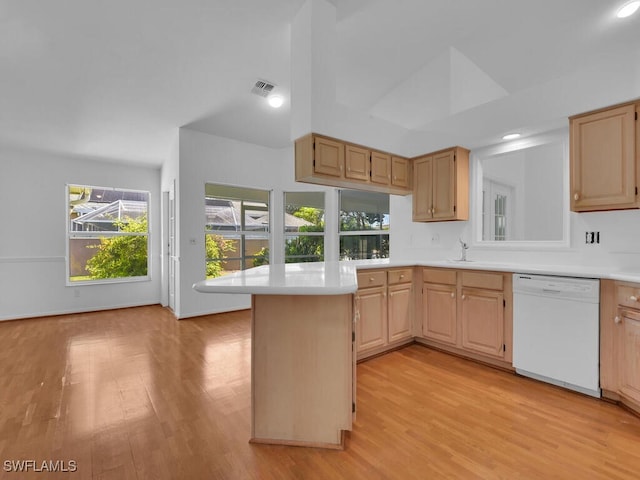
column 439, row 312
column 372, row 325
column 444, row 186
column 631, row 355
column 357, row 163
column 603, row 174
column 380, row 168
column 482, row 318
column 610, row 337
column 422, row 188
column 400, row 169
column 328, row 157
column 400, row 311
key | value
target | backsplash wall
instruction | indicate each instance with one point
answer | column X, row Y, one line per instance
column 619, row 246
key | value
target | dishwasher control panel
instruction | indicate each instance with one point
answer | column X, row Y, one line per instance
column 584, row 289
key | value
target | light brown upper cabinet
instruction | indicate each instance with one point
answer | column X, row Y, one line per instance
column 604, row 156
column 441, row 186
column 319, row 157
column 400, row 172
column 380, row 168
column 358, row 162
column 332, row 162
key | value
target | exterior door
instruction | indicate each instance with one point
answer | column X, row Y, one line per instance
column 173, row 258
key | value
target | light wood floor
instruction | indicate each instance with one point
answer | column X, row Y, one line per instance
column 134, row 393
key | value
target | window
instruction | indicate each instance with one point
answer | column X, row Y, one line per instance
column 497, row 211
column 364, row 225
column 520, row 193
column 303, row 227
column 236, row 230
column 108, row 234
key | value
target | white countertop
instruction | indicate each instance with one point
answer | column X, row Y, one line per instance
column 559, row 270
column 321, row 278
column 336, row 278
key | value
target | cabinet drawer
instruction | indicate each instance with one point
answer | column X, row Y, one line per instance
column 628, row 296
column 372, row 278
column 438, row 275
column 492, row 281
column 404, row 275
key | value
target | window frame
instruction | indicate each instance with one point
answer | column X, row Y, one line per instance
column 71, row 235
column 381, row 232
column 239, row 235
column 287, row 235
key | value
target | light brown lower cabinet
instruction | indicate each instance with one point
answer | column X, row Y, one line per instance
column 400, row 305
column 372, row 312
column 384, row 310
column 468, row 313
column 439, row 313
column 631, row 354
column 482, row 318
column 620, row 342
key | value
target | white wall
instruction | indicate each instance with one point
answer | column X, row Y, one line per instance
column 210, row 159
column 32, row 245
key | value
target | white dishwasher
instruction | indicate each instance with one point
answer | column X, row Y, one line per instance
column 556, row 330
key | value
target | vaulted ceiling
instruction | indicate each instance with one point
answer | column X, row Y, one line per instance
column 115, row 80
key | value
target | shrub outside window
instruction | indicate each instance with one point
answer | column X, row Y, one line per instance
column 364, row 225
column 107, row 234
column 303, row 227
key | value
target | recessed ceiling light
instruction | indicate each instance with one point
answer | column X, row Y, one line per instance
column 275, row 101
column 628, row 9
column 510, row 136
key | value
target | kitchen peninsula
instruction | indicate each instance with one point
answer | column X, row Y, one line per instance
column 302, row 354
column 305, row 344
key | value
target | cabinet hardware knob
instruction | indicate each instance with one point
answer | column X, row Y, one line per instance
column 401, row 276
column 576, row 196
column 372, row 279
column 395, row 177
column 617, row 319
column 633, row 298
column 464, row 297
column 453, row 295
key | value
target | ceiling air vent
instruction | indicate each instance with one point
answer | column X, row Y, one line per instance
column 263, row 88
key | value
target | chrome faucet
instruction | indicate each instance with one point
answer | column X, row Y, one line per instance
column 465, row 247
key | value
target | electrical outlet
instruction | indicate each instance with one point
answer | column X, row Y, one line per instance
column 592, row 237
